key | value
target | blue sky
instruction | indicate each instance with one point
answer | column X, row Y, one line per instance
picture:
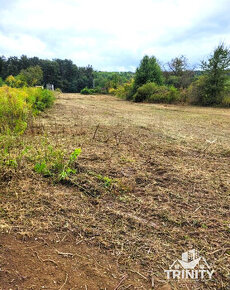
column 113, row 35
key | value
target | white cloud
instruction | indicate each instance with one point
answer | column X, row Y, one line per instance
column 112, row 34
column 23, row 44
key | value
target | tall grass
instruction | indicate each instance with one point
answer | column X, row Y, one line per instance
column 18, row 105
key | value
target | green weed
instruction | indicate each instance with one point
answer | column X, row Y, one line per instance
column 107, row 181
column 53, row 163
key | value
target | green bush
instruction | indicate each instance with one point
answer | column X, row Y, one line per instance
column 161, row 95
column 46, row 97
column 145, row 92
column 15, row 82
column 174, row 95
column 14, row 110
column 197, row 93
column 17, row 105
column 126, row 91
column 212, row 88
column 226, row 101
column 153, row 93
column 87, row 91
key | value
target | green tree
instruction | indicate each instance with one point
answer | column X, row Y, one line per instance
column 148, row 71
column 33, row 75
column 51, row 73
column 216, row 70
column 2, row 66
column 11, row 67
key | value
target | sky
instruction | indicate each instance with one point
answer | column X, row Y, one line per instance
column 113, row 35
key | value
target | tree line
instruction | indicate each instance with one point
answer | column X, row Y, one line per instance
column 63, row 74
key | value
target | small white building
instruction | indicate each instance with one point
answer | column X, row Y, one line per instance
column 50, row 87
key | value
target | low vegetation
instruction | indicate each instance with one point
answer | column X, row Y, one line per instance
column 53, row 163
column 87, row 91
column 18, row 105
column 18, row 109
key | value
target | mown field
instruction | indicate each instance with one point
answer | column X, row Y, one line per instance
column 151, row 182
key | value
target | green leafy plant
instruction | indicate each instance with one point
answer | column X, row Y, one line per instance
column 52, row 163
column 42, row 168
column 69, row 168
column 106, row 180
column 74, row 155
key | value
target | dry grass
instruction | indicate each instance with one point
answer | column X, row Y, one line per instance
column 169, row 183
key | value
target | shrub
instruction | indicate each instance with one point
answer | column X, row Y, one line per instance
column 162, row 94
column 1, row 82
column 183, row 95
column 153, row 93
column 87, row 91
column 145, row 92
column 112, row 91
column 17, row 105
column 196, row 92
column 126, row 91
column 11, row 81
column 14, row 110
column 226, row 101
column 173, row 95
column 198, row 95
column 15, row 82
column 44, row 97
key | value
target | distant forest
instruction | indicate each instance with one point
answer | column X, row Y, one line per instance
column 63, row 74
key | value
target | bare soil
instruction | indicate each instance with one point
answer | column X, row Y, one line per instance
column 152, row 182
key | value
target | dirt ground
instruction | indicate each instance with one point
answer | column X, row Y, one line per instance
column 152, row 182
